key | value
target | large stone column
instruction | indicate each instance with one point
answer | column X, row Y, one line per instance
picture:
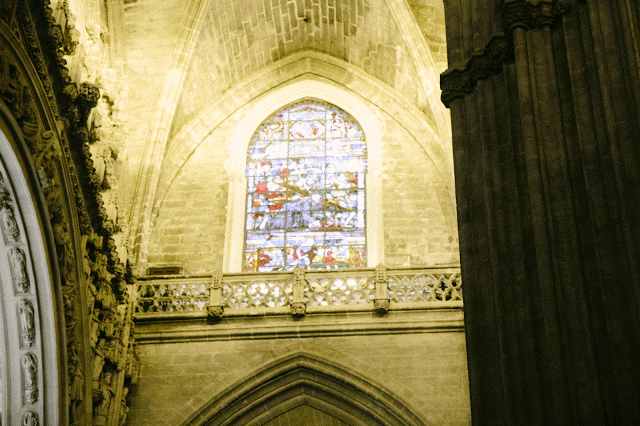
column 545, row 108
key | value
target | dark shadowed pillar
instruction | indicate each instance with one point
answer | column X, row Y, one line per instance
column 545, row 108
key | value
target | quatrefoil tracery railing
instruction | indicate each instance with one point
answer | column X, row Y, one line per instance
column 298, row 290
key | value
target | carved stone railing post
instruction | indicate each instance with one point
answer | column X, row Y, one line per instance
column 298, row 305
column 381, row 302
column 215, row 308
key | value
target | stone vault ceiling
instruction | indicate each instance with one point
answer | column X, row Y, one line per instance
column 181, row 56
column 240, row 37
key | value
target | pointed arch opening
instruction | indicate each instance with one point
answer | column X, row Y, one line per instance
column 236, row 166
column 306, row 167
column 303, row 382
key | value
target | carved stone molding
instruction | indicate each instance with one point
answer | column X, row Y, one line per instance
column 456, row 84
column 57, row 143
column 524, row 14
column 298, row 306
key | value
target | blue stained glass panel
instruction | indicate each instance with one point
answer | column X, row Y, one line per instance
column 306, row 171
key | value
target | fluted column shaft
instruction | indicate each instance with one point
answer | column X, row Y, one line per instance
column 546, row 136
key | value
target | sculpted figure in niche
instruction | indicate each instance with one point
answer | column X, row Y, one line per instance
column 27, row 326
column 77, row 395
column 98, row 363
column 30, row 378
column 30, row 418
column 65, row 254
column 95, row 328
column 19, row 267
column 105, row 294
column 91, row 293
column 9, row 224
column 76, row 388
column 102, row 410
column 13, row 92
column 69, row 311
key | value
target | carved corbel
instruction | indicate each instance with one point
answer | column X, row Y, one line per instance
column 215, row 309
column 381, row 303
column 298, row 305
column 88, row 96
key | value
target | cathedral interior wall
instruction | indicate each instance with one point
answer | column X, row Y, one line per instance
column 425, row 370
column 419, row 229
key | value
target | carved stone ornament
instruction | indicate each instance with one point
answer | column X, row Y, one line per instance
column 18, row 263
column 9, row 224
column 101, row 411
column 88, row 96
column 215, row 312
column 30, row 418
column 27, row 325
column 381, row 305
column 298, row 309
column 456, row 83
column 29, row 365
column 530, row 16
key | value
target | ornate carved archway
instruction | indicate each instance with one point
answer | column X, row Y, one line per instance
column 32, row 350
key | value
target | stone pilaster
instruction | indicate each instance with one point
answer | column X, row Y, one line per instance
column 548, row 183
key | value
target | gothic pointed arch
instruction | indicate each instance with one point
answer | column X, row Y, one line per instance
column 303, row 381
column 306, row 168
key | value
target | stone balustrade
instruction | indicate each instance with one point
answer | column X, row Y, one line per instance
column 298, row 292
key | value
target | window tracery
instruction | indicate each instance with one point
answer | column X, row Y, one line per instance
column 306, row 168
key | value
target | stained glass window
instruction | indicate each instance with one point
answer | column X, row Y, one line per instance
column 306, row 169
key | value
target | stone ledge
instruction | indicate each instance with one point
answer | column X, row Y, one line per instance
column 282, row 325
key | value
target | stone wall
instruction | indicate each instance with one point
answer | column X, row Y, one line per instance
column 419, row 227
column 418, row 230
column 430, row 17
column 424, row 370
column 190, row 229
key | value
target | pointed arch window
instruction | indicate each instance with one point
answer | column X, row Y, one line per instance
column 306, row 168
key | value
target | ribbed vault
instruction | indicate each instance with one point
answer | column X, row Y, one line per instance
column 240, row 37
column 304, row 382
column 222, row 45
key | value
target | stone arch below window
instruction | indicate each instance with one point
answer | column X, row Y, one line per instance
column 303, row 382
